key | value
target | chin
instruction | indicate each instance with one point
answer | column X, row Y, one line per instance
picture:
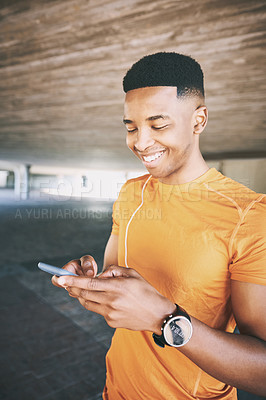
column 157, row 174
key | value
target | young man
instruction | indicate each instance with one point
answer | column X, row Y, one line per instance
column 186, row 256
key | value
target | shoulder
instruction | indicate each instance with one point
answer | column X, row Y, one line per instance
column 135, row 183
column 140, row 180
column 132, row 188
column 242, row 196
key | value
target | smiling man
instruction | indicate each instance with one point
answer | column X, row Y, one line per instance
column 175, row 286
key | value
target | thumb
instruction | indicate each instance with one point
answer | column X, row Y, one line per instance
column 114, row 271
column 88, row 265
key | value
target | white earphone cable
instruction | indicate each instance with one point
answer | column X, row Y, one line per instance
column 132, row 216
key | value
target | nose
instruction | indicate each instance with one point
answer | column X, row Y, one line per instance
column 143, row 140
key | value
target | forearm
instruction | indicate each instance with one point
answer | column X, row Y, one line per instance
column 237, row 360
column 111, row 252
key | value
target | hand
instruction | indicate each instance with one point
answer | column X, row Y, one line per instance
column 85, row 266
column 123, row 297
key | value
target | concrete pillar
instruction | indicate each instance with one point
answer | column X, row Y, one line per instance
column 17, row 182
column 22, row 189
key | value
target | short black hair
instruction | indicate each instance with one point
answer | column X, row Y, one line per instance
column 166, row 69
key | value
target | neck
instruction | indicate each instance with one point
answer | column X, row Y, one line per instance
column 193, row 168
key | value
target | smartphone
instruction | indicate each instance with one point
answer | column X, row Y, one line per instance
column 51, row 269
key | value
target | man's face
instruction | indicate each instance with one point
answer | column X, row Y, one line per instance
column 160, row 130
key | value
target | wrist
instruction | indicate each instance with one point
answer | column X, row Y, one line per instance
column 167, row 308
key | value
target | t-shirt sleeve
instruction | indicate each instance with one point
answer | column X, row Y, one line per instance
column 116, row 219
column 249, row 247
column 117, row 209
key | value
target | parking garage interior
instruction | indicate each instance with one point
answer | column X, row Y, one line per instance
column 63, row 157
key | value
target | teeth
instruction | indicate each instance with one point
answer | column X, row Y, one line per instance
column 152, row 158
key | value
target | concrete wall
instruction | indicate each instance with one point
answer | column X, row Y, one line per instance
column 105, row 184
column 249, row 172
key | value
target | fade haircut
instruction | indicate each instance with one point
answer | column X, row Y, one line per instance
column 166, row 69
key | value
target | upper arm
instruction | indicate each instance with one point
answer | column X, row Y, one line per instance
column 111, row 252
column 249, row 308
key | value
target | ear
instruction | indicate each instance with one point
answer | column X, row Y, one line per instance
column 200, row 119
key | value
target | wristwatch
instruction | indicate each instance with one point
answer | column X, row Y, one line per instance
column 176, row 329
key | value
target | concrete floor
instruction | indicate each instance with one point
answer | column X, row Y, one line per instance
column 51, row 348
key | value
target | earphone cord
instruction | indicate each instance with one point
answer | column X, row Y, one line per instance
column 132, row 216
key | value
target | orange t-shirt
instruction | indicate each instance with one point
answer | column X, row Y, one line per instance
column 188, row 241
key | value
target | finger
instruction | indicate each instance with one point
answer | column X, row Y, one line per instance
column 92, row 306
column 72, row 295
column 71, row 266
column 54, row 281
column 94, row 284
column 83, row 266
column 114, row 271
column 89, row 265
column 96, row 296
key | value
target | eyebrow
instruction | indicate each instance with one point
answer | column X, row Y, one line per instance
column 152, row 118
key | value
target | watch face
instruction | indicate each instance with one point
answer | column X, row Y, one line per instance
column 177, row 331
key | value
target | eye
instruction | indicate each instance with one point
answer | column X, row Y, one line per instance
column 131, row 130
column 157, row 128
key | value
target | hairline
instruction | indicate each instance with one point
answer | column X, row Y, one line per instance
column 187, row 92
column 193, row 93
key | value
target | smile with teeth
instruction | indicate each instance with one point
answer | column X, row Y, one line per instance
column 153, row 157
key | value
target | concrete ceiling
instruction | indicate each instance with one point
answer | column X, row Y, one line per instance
column 62, row 64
